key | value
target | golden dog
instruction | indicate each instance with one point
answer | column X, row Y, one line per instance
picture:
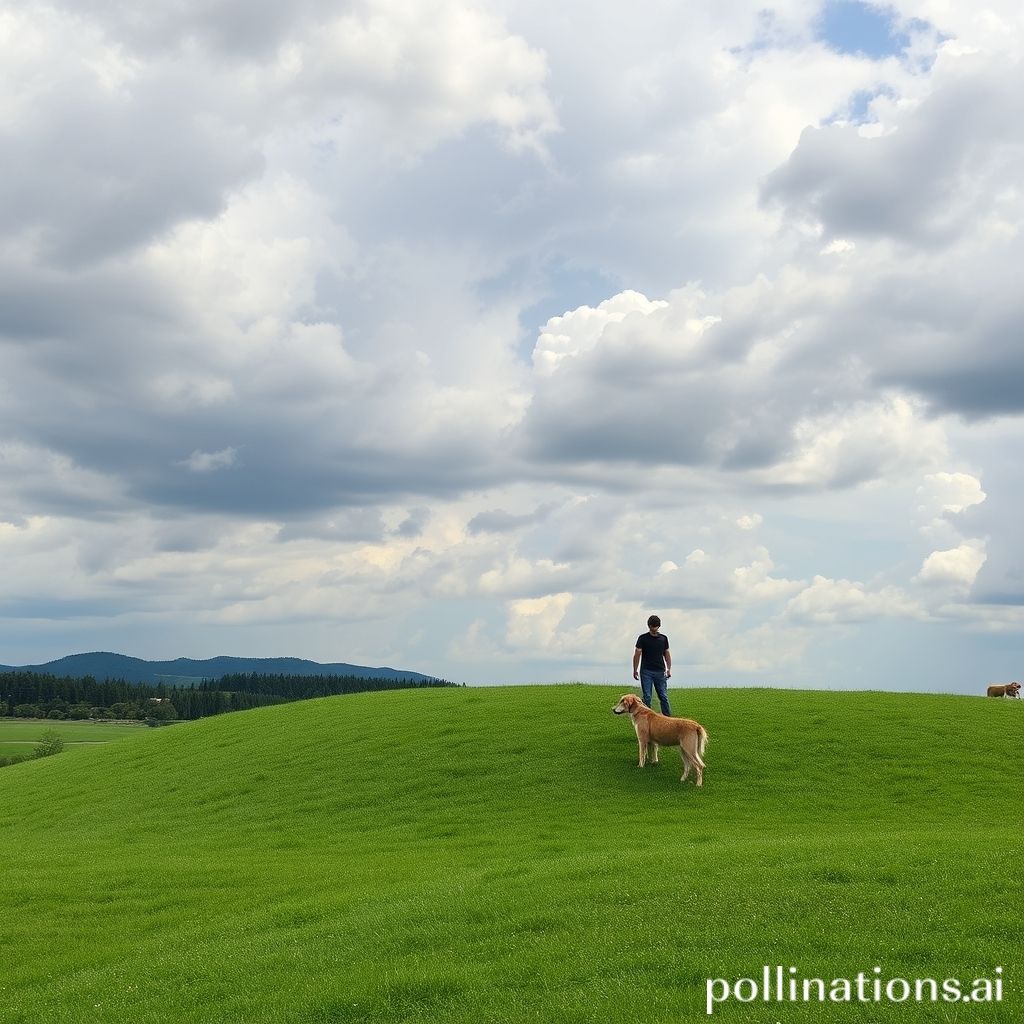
column 1003, row 690
column 652, row 729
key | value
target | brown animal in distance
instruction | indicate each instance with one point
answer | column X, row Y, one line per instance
column 1003, row 690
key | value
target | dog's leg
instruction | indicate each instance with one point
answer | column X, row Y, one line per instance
column 692, row 759
column 641, row 742
column 654, row 753
column 698, row 762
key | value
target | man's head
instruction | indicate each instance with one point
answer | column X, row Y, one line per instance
column 654, row 623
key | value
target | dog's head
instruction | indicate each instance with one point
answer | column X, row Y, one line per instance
column 1013, row 690
column 628, row 703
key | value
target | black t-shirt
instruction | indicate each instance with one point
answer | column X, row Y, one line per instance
column 653, row 646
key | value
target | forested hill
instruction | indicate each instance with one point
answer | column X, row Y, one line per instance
column 104, row 665
column 35, row 695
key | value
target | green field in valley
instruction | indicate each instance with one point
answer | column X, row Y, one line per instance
column 495, row 855
column 20, row 735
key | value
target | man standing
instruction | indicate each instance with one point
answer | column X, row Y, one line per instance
column 652, row 663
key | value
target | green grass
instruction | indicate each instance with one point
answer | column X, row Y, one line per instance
column 19, row 735
column 495, row 855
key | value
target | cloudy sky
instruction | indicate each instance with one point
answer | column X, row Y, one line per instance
column 460, row 335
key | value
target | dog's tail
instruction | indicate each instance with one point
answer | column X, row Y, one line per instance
column 702, row 742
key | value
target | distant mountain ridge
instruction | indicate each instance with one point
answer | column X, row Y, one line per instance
column 105, row 665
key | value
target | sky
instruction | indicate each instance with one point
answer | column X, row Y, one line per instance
column 462, row 335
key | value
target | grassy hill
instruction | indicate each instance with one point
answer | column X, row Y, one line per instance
column 18, row 736
column 494, row 855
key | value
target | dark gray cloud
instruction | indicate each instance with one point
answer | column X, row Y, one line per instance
column 55, row 608
column 345, row 525
column 414, row 523
column 499, row 521
column 242, row 30
column 922, row 184
column 945, row 326
column 91, row 173
column 289, row 454
column 642, row 397
column 977, row 373
column 608, row 424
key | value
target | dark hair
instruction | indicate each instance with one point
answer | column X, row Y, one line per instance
column 654, row 621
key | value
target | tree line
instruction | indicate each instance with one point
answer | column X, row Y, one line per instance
column 39, row 695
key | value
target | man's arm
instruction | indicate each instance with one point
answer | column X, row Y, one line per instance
column 668, row 663
column 636, row 663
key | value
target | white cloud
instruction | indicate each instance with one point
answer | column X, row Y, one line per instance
column 533, row 622
column 868, row 441
column 950, row 492
column 942, row 497
column 580, row 329
column 427, row 72
column 522, row 576
column 838, row 246
column 734, row 381
column 733, row 578
column 209, row 462
column 1003, row 620
column 955, row 567
column 836, row 602
column 997, row 26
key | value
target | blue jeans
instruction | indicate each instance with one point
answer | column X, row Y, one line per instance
column 654, row 680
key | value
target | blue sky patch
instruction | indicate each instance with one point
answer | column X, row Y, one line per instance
column 849, row 26
column 859, row 103
column 569, row 286
column 857, row 109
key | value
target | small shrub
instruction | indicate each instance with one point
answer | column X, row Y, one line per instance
column 49, row 743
